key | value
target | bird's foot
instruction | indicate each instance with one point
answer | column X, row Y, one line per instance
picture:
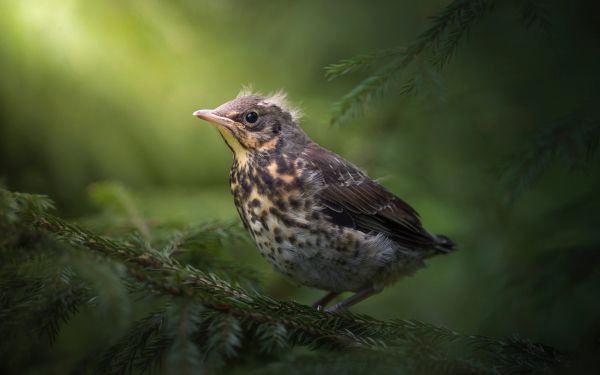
column 354, row 299
column 320, row 304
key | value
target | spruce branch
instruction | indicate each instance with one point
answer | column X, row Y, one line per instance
column 361, row 62
column 169, row 277
column 155, row 350
column 426, row 84
column 273, row 337
column 439, row 42
column 358, row 99
column 39, row 296
column 212, row 316
column 132, row 349
column 450, row 26
column 193, row 245
column 219, row 337
column 535, row 13
column 118, row 197
column 183, row 356
column 573, row 140
column 60, row 308
column 307, row 325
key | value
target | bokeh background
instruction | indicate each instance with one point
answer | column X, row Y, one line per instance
column 93, row 91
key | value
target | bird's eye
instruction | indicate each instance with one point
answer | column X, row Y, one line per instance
column 251, row 117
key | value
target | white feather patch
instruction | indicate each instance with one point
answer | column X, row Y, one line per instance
column 279, row 99
column 246, row 91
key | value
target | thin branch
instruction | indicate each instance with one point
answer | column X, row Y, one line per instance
column 574, row 139
column 440, row 40
column 347, row 330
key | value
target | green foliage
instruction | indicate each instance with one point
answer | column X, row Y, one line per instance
column 357, row 100
column 205, row 321
column 535, row 13
column 142, row 347
column 439, row 43
column 361, row 62
column 573, row 140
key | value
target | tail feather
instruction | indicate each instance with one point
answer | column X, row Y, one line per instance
column 443, row 245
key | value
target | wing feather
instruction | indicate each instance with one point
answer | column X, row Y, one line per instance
column 350, row 198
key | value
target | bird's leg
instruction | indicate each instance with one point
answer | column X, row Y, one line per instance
column 320, row 304
column 355, row 298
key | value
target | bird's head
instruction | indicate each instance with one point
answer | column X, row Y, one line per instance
column 255, row 123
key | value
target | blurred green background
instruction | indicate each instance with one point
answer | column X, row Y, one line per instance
column 93, row 91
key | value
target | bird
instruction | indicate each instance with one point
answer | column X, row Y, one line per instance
column 316, row 217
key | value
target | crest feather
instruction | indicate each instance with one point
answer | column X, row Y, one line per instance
column 247, row 91
column 278, row 98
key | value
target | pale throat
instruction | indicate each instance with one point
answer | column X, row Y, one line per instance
column 239, row 151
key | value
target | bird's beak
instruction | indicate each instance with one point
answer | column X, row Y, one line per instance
column 208, row 115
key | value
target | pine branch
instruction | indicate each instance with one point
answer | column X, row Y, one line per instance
column 440, row 41
column 166, row 276
column 426, row 84
column 38, row 302
column 361, row 62
column 370, row 363
column 535, row 13
column 154, row 352
column 61, row 307
column 193, row 246
column 223, row 334
column 450, row 26
column 273, row 337
column 183, row 356
column 357, row 100
column 215, row 315
column 118, row 197
column 574, row 140
column 169, row 277
column 132, row 350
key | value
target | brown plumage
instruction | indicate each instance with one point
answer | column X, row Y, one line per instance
column 314, row 216
column 353, row 200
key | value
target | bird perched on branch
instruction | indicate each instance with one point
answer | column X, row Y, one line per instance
column 316, row 217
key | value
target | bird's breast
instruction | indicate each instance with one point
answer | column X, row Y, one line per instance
column 276, row 207
column 269, row 195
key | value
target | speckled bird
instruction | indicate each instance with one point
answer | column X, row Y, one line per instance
column 316, row 217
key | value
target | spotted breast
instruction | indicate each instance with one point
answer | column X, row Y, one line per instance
column 278, row 200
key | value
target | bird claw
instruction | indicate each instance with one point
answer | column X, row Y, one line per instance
column 354, row 299
column 334, row 308
column 320, row 304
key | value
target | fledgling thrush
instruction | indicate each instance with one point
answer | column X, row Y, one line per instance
column 314, row 216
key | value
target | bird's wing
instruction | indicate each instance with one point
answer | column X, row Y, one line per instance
column 351, row 199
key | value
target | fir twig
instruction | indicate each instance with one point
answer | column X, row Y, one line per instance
column 361, row 62
column 228, row 311
column 133, row 348
column 573, row 140
column 440, row 41
column 121, row 200
column 535, row 13
column 308, row 325
column 357, row 100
